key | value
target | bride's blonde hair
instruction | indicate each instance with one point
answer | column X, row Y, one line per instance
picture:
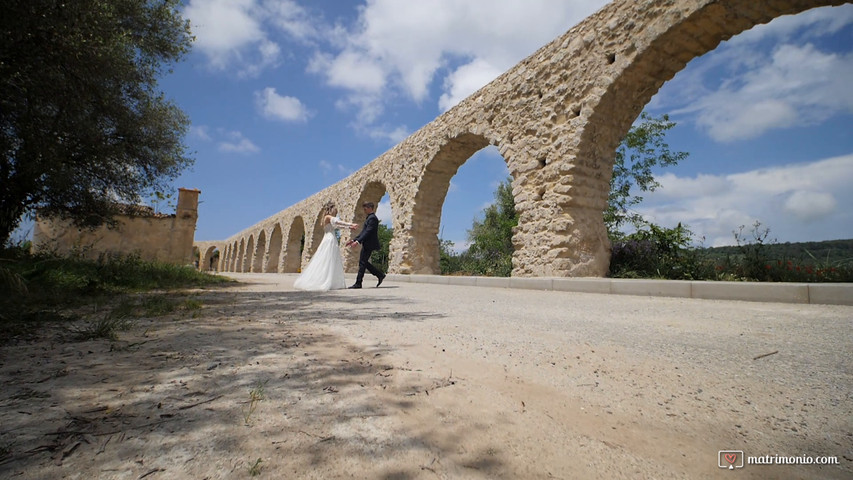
column 329, row 208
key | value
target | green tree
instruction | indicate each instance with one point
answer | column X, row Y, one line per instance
column 490, row 250
column 642, row 149
column 448, row 260
column 379, row 258
column 82, row 122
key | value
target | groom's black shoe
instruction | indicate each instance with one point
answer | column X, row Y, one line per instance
column 380, row 280
column 355, row 285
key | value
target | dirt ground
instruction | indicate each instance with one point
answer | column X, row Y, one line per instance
column 427, row 381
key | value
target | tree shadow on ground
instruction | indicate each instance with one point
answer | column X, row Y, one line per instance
column 251, row 377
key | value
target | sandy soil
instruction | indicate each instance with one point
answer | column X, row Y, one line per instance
column 428, row 381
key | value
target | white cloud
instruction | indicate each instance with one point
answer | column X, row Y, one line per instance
column 745, row 121
column 794, row 85
column 798, row 86
column 201, row 132
column 277, row 107
column 362, row 77
column 290, row 18
column 404, row 45
column 238, row 35
column 384, row 214
column 350, row 70
column 223, row 28
column 392, row 135
column 222, row 25
column 701, row 185
column 268, row 55
column 237, row 143
column 810, row 206
column 329, row 170
column 798, row 202
column 812, row 23
column 369, row 108
column 466, row 80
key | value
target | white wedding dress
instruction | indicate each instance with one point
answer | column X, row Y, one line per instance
column 325, row 270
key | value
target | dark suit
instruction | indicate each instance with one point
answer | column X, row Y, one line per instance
column 369, row 241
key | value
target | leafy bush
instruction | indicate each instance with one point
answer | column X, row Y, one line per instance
column 658, row 252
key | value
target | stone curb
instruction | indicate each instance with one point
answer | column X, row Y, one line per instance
column 819, row 293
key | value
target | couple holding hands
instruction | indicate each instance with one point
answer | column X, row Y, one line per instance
column 325, row 271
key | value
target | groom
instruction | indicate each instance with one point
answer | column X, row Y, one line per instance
column 369, row 241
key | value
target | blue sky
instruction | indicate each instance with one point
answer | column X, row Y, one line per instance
column 288, row 97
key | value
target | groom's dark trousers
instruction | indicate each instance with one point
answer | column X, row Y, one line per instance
column 364, row 264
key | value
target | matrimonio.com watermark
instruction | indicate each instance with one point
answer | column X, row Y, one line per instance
column 734, row 459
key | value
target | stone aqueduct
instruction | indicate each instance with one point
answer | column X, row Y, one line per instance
column 556, row 118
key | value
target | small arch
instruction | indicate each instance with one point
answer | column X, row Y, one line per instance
column 274, row 250
column 260, row 253
column 426, row 215
column 293, row 249
column 249, row 254
column 215, row 257
column 241, row 251
column 205, row 260
column 229, row 259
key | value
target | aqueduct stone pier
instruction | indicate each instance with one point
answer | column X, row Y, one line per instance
column 556, row 118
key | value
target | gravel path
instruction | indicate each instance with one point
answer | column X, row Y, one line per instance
column 673, row 380
column 434, row 381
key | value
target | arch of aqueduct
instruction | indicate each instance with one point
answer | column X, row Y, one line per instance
column 556, row 118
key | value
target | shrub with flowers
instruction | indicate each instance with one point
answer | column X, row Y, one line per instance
column 657, row 252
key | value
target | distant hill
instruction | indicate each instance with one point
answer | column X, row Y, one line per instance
column 828, row 252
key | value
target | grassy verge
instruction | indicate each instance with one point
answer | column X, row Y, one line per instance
column 37, row 289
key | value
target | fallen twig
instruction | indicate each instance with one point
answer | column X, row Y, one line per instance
column 111, row 432
column 429, row 467
column 104, row 446
column 151, row 472
column 765, row 355
column 200, row 403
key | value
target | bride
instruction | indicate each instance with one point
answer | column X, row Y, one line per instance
column 325, row 271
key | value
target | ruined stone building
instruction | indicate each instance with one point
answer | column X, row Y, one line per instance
column 140, row 231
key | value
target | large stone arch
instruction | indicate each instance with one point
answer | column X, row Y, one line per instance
column 556, row 118
column 429, row 199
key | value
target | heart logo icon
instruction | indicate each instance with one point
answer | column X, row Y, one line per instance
column 731, row 457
